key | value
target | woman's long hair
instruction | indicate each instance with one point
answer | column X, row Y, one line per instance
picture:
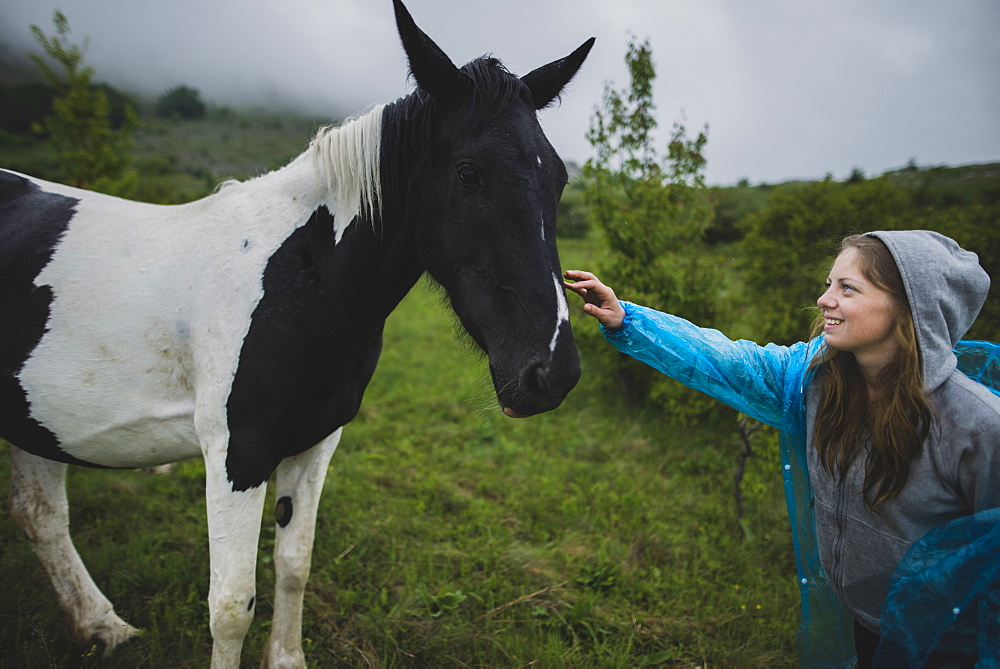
column 899, row 420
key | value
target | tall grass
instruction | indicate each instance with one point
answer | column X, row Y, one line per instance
column 597, row 535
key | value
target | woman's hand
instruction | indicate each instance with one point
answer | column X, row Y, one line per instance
column 599, row 300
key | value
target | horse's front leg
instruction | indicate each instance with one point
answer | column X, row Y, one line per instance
column 39, row 506
column 300, row 484
column 233, row 533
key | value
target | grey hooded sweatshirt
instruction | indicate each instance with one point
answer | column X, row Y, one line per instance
column 957, row 473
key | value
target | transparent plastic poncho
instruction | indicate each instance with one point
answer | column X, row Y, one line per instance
column 945, row 594
column 768, row 383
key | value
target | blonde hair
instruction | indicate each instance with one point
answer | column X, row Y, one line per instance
column 899, row 421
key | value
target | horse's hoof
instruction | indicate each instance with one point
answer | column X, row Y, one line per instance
column 119, row 635
column 280, row 658
column 110, row 634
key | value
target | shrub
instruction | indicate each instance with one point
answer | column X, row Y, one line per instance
column 653, row 216
column 788, row 247
column 181, row 102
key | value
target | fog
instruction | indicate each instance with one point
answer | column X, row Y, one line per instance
column 788, row 89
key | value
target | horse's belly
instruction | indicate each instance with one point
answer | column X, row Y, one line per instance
column 143, row 442
column 109, row 406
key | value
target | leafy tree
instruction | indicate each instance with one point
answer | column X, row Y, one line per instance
column 119, row 105
column 730, row 206
column 91, row 153
column 653, row 214
column 181, row 101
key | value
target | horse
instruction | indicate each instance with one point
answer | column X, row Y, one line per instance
column 245, row 326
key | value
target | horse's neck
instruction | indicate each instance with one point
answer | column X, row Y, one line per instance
column 379, row 249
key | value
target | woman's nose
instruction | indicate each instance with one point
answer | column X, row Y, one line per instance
column 826, row 300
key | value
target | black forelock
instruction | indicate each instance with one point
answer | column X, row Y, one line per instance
column 492, row 84
column 407, row 122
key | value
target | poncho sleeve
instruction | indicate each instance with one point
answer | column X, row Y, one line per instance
column 752, row 379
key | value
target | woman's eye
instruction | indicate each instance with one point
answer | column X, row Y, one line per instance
column 468, row 176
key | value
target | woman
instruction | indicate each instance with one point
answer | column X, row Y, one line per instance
column 883, row 439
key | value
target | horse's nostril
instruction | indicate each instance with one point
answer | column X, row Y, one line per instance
column 535, row 379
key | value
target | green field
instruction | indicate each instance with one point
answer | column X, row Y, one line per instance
column 596, row 535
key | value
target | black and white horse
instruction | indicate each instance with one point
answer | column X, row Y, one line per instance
column 244, row 327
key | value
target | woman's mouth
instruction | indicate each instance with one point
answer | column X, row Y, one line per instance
column 833, row 322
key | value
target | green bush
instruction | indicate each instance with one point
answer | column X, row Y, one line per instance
column 788, row 247
column 573, row 220
column 975, row 228
column 182, row 102
column 21, row 105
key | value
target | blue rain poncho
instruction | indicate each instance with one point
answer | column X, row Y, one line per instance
column 945, row 594
column 768, row 383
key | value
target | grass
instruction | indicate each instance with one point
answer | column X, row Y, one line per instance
column 450, row 536
column 598, row 535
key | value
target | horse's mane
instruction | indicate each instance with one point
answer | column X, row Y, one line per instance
column 347, row 159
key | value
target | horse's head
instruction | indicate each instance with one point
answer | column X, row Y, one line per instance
column 483, row 193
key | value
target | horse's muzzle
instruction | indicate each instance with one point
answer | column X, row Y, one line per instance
column 541, row 386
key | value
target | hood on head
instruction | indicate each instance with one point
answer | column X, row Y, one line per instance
column 946, row 287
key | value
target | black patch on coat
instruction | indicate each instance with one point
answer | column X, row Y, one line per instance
column 32, row 222
column 313, row 343
column 283, row 511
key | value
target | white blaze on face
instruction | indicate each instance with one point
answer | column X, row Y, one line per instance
column 562, row 313
column 542, row 214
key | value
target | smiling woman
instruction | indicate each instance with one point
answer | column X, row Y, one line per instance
column 879, row 387
column 883, row 438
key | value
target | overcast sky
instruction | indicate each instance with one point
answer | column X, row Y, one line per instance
column 788, row 88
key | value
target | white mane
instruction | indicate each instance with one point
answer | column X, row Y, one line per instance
column 347, row 160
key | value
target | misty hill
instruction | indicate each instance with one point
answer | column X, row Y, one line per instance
column 181, row 160
column 177, row 160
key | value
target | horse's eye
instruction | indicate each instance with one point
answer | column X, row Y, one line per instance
column 468, row 176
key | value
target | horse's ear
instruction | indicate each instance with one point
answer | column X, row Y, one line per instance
column 430, row 66
column 548, row 81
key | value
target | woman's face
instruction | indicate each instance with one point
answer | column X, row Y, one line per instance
column 860, row 317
